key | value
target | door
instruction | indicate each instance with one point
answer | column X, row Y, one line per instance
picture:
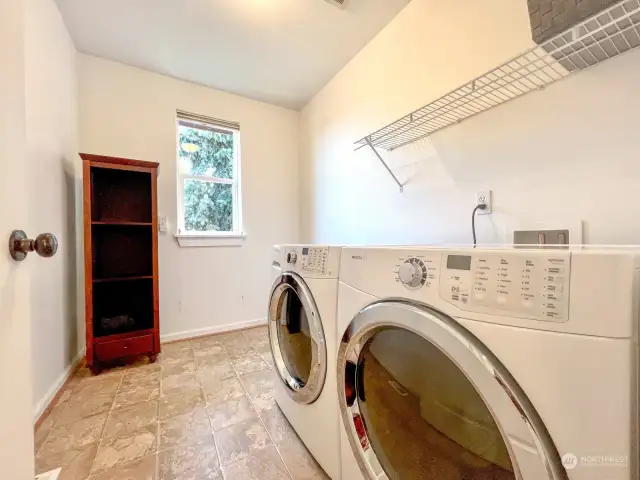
column 16, row 420
column 422, row 398
column 297, row 338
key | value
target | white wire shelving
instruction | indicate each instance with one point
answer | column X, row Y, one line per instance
column 613, row 31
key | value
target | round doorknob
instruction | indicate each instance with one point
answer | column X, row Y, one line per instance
column 45, row 245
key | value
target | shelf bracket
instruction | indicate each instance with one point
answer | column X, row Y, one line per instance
column 385, row 164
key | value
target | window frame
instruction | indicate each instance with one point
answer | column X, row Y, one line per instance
column 237, row 232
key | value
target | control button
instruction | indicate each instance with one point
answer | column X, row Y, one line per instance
column 551, row 306
column 501, row 300
column 292, row 257
column 527, row 304
column 410, row 273
column 556, row 297
column 554, row 279
column 553, row 310
column 553, row 315
column 554, row 270
column 553, row 288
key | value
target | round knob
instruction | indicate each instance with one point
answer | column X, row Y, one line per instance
column 411, row 273
column 292, row 257
column 46, row 245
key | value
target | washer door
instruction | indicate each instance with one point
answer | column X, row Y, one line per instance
column 297, row 338
column 421, row 398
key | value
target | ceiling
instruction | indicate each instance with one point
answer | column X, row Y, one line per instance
column 278, row 51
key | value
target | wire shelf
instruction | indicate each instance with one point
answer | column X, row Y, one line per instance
column 605, row 35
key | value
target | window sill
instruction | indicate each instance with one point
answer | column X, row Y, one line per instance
column 210, row 239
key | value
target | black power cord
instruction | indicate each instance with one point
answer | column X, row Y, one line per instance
column 480, row 206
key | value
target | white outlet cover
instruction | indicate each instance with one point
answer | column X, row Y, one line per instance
column 489, row 203
column 51, row 475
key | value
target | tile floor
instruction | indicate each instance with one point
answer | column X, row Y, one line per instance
column 204, row 411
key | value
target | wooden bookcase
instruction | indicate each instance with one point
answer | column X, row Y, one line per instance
column 120, row 259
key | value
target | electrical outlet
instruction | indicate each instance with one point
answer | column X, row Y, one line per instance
column 484, row 197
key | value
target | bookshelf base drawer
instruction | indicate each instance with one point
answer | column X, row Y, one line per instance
column 124, row 348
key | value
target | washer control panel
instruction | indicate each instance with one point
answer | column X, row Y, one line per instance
column 414, row 272
column 314, row 259
column 522, row 284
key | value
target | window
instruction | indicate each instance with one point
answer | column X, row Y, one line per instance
column 208, row 177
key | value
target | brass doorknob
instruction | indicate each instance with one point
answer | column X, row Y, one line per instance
column 45, row 245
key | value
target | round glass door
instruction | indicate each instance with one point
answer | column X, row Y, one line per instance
column 297, row 338
column 421, row 401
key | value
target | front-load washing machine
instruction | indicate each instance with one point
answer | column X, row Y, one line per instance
column 488, row 364
column 302, row 332
column 276, row 262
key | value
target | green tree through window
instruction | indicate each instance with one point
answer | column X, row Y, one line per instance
column 208, row 202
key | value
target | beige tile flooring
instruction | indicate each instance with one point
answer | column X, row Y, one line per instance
column 204, row 411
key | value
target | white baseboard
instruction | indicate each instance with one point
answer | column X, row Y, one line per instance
column 200, row 332
column 48, row 397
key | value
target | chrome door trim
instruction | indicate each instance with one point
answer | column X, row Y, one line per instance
column 504, row 398
column 299, row 392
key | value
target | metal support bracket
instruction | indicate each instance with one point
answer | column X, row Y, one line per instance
column 385, row 165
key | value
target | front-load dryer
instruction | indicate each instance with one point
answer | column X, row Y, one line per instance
column 482, row 364
column 302, row 332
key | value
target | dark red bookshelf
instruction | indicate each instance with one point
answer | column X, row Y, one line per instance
column 121, row 259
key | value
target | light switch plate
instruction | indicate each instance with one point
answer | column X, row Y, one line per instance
column 163, row 224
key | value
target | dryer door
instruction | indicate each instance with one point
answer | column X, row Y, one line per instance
column 297, row 338
column 421, row 397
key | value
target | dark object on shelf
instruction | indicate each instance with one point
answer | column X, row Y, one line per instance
column 550, row 17
column 118, row 322
column 121, row 259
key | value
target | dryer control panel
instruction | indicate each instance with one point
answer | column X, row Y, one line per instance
column 523, row 284
column 314, row 259
column 317, row 261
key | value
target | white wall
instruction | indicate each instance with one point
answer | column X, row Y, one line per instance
column 51, row 140
column 562, row 155
column 128, row 112
column 16, row 434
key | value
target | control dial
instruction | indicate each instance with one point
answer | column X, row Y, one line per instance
column 292, row 257
column 412, row 273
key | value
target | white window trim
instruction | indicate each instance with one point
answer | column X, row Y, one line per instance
column 211, row 239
